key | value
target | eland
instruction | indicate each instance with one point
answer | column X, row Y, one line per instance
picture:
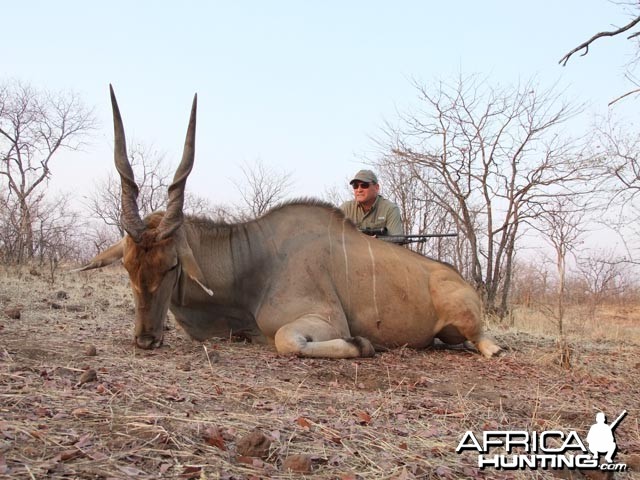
column 301, row 277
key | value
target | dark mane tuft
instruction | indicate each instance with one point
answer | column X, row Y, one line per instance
column 305, row 201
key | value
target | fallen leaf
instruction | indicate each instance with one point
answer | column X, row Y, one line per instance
column 70, row 455
column 443, row 472
column 191, row 472
column 213, row 437
column 363, row 418
column 97, row 456
column 83, row 441
column 254, row 444
column 43, row 412
column 303, row 422
column 174, row 395
column 80, row 412
column 297, row 463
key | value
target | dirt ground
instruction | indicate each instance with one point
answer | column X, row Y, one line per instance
column 78, row 400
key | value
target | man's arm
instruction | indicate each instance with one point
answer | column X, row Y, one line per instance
column 394, row 221
column 348, row 210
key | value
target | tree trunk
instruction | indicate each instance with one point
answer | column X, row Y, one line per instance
column 25, row 245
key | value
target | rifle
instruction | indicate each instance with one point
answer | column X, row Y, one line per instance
column 382, row 234
column 617, row 420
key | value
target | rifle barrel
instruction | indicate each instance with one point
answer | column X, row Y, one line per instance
column 617, row 420
column 427, row 235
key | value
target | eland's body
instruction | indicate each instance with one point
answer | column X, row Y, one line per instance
column 301, row 276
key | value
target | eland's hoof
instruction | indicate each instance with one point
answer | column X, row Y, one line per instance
column 364, row 346
column 487, row 347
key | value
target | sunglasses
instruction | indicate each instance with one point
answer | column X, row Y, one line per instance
column 363, row 185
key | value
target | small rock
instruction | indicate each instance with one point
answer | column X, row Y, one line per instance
column 13, row 313
column 212, row 356
column 87, row 291
column 297, row 463
column 89, row 376
column 62, row 295
column 91, row 351
column 184, row 366
column 254, row 444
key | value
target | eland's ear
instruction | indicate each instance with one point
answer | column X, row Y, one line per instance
column 188, row 261
column 110, row 255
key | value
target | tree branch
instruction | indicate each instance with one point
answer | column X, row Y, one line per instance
column 636, row 90
column 563, row 61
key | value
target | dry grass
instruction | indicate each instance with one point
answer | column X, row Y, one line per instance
column 181, row 411
column 583, row 322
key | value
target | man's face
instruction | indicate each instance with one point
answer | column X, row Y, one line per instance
column 365, row 192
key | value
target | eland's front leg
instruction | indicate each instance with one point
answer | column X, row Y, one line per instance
column 313, row 336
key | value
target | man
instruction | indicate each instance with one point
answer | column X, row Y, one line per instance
column 370, row 209
column 600, row 437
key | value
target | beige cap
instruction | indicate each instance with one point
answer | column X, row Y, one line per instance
column 365, row 176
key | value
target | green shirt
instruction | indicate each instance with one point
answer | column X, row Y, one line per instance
column 383, row 213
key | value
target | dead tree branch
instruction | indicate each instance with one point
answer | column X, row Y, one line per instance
column 585, row 46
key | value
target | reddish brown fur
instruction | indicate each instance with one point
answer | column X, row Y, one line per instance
column 148, row 260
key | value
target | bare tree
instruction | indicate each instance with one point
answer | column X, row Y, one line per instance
column 601, row 273
column 619, row 150
column 57, row 232
column 421, row 213
column 9, row 226
column 151, row 173
column 530, row 283
column 489, row 157
column 202, row 207
column 34, row 126
column 338, row 194
column 261, row 189
column 562, row 224
column 98, row 237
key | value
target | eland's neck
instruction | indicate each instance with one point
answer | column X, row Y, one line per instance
column 234, row 260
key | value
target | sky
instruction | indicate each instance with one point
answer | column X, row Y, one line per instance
column 304, row 87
